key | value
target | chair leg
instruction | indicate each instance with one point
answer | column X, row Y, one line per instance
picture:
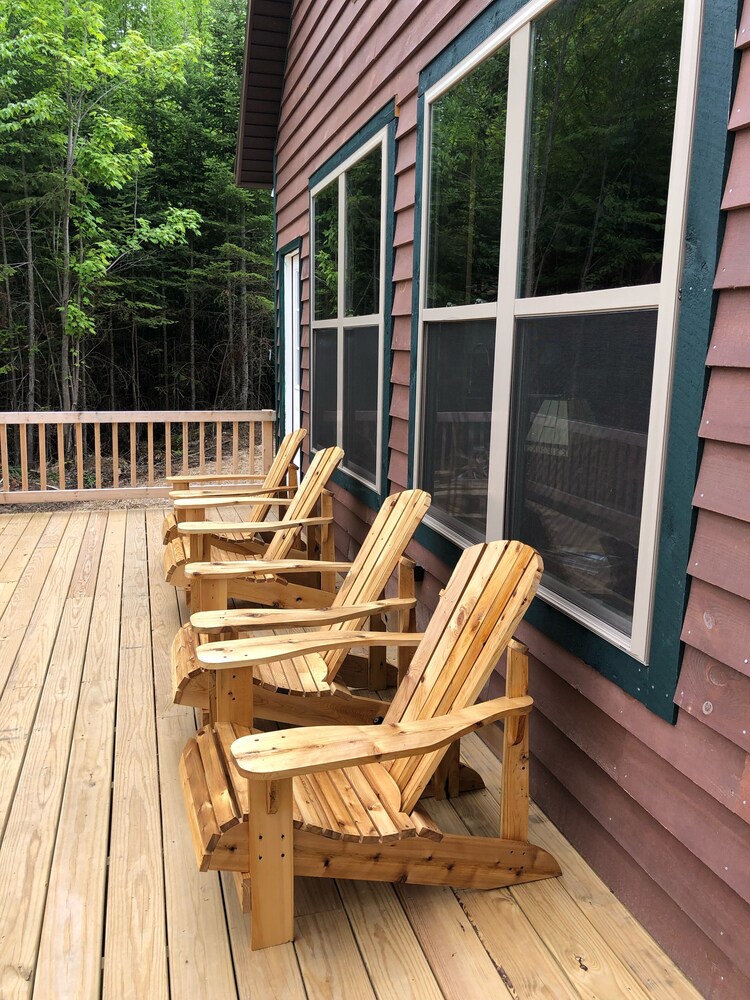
column 514, row 803
column 407, row 619
column 271, row 863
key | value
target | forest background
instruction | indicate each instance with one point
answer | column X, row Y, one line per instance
column 134, row 274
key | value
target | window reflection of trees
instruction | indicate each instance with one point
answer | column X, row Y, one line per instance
column 604, row 83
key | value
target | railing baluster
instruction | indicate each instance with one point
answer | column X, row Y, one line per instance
column 98, row 454
column 79, row 455
column 60, row 457
column 150, row 432
column 4, row 458
column 43, row 475
column 133, row 465
column 24, row 458
column 266, row 428
column 42, row 457
column 115, row 454
column 168, row 448
column 251, row 448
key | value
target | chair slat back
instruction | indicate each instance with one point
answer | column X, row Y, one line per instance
column 383, row 546
column 486, row 596
column 277, row 472
column 310, row 490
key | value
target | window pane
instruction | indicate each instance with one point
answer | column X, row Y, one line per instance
column 456, row 420
column 324, row 389
column 604, row 81
column 578, row 452
column 362, row 271
column 361, row 401
column 466, row 186
column 326, row 208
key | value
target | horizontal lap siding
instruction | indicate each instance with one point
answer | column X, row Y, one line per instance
column 345, row 62
column 661, row 811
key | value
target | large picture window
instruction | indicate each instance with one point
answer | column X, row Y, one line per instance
column 348, row 287
column 555, row 181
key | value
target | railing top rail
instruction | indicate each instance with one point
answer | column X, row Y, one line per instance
column 135, row 416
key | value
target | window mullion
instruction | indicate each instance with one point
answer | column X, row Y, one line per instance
column 510, row 239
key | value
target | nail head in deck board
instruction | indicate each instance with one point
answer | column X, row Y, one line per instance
column 78, row 875
column 135, row 934
column 30, row 833
column 717, row 696
column 594, row 899
column 700, row 893
column 659, row 914
column 458, row 960
column 329, row 959
column 394, row 959
column 196, row 928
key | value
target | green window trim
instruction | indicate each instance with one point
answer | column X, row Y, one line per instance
column 387, row 120
column 653, row 685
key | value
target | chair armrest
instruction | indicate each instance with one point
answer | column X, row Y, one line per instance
column 251, row 652
column 208, row 477
column 245, row 527
column 238, row 569
column 195, row 499
column 288, row 752
column 236, row 498
column 215, row 621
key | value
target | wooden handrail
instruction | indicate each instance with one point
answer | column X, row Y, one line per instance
column 79, row 462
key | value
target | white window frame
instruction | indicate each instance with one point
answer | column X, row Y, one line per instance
column 350, row 322
column 663, row 296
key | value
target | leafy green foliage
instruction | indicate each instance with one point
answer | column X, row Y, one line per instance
column 133, row 273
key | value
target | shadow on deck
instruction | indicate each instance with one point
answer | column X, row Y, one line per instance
column 101, row 894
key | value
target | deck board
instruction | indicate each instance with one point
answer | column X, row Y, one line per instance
column 102, row 897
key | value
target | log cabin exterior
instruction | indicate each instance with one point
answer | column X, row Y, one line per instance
column 641, row 733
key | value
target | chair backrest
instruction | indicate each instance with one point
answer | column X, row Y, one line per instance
column 486, row 596
column 309, row 492
column 383, row 546
column 277, row 472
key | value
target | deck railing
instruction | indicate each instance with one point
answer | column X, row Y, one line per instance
column 62, row 457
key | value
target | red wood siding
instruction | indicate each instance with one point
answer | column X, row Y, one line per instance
column 661, row 811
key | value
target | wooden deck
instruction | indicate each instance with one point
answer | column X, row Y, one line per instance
column 99, row 888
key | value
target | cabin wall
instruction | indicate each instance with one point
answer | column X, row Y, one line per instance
column 660, row 811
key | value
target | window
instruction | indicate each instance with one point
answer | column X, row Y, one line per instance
column 555, row 180
column 348, row 250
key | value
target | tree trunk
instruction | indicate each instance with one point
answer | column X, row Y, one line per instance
column 244, row 357
column 9, row 313
column 192, row 329
column 31, row 297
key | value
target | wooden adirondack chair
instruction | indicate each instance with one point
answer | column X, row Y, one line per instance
column 342, row 802
column 228, row 541
column 304, row 690
column 279, row 483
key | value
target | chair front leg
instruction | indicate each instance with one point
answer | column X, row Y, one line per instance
column 271, row 862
